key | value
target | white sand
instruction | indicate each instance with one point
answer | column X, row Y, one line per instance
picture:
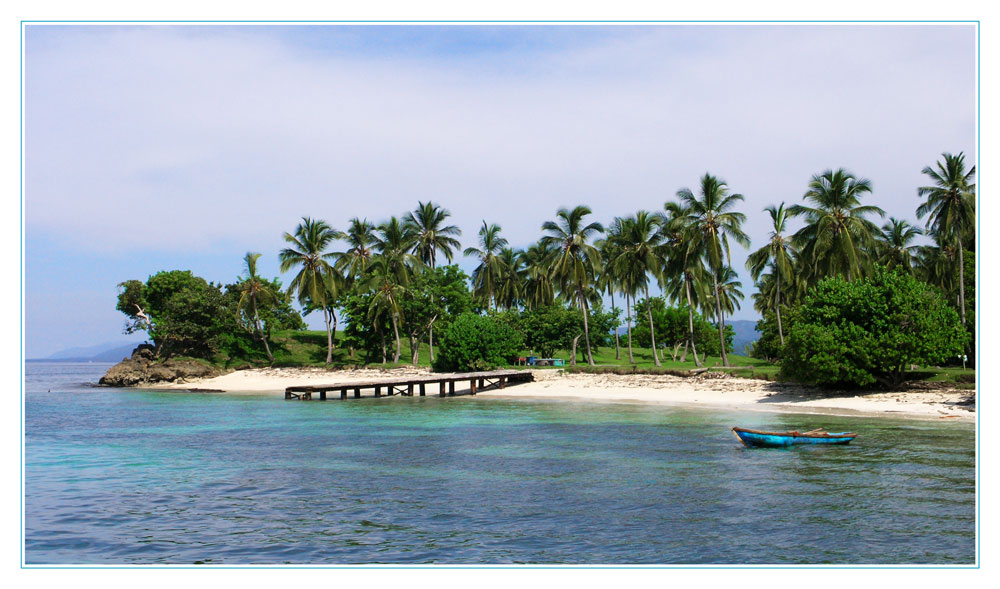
column 710, row 390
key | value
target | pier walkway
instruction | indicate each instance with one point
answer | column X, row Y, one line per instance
column 411, row 385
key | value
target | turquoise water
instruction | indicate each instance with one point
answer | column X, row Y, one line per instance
column 127, row 477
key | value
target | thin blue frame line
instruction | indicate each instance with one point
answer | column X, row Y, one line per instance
column 497, row 21
column 977, row 564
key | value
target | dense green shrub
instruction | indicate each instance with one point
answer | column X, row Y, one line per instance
column 859, row 333
column 476, row 342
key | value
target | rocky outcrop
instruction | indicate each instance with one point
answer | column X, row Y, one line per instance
column 143, row 368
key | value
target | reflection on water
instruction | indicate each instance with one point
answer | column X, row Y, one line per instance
column 117, row 476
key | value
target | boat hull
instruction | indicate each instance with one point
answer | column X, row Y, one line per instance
column 761, row 439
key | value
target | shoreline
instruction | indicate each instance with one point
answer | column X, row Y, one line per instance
column 709, row 391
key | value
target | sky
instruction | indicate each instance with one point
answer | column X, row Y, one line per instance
column 155, row 147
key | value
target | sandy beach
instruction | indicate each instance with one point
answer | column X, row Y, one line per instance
column 711, row 390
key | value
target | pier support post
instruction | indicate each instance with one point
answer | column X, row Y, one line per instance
column 472, row 386
column 409, row 390
column 503, row 381
column 343, row 394
column 482, row 382
column 322, row 395
column 440, row 392
column 357, row 393
column 422, row 392
column 378, row 392
column 451, row 389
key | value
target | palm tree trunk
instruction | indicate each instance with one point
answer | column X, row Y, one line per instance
column 430, row 343
column 722, row 327
column 628, row 307
column 414, row 350
column 618, row 349
column 334, row 334
column 694, row 350
column 395, row 329
column 329, row 336
column 586, row 327
column 260, row 330
column 652, row 335
column 777, row 308
column 961, row 280
column 382, row 338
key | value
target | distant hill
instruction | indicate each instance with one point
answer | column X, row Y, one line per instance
column 745, row 334
column 106, row 352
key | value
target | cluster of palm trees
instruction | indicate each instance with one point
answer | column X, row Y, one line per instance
column 840, row 239
column 685, row 248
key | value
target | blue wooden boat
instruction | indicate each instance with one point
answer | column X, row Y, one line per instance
column 752, row 438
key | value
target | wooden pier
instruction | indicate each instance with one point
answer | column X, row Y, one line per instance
column 411, row 385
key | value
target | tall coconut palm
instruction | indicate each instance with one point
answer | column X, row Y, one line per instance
column 510, row 292
column 713, row 224
column 315, row 282
column 683, row 274
column 837, row 234
column 777, row 255
column 431, row 235
column 361, row 240
column 487, row 276
column 575, row 261
column 641, row 256
column 383, row 278
column 951, row 208
column 895, row 247
column 393, row 242
column 255, row 293
column 538, row 291
column 607, row 279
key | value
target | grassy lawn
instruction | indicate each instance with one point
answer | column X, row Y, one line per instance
column 308, row 348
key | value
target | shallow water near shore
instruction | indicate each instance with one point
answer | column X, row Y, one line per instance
column 118, row 476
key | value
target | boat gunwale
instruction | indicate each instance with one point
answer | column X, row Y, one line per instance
column 797, row 434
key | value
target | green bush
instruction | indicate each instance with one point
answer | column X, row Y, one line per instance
column 856, row 334
column 476, row 342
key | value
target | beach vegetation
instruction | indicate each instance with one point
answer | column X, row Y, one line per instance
column 474, row 342
column 868, row 331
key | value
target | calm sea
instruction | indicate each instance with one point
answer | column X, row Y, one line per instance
column 118, row 476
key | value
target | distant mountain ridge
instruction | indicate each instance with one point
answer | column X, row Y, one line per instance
column 106, row 352
column 745, row 333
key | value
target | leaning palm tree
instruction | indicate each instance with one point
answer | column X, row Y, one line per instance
column 575, row 261
column 837, row 234
column 951, row 206
column 431, row 235
column 641, row 256
column 776, row 255
column 489, row 273
column 314, row 283
column 894, row 248
column 712, row 225
column 254, row 293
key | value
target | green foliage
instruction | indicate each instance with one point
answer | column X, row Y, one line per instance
column 856, row 334
column 671, row 325
column 768, row 345
column 477, row 342
column 550, row 328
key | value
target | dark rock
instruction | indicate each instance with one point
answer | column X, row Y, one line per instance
column 142, row 369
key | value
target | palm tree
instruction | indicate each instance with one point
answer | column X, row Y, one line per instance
column 255, row 292
column 393, row 242
column 607, row 279
column 640, row 256
column 431, row 235
column 361, row 239
column 511, row 285
column 383, row 278
column 575, row 261
column 894, row 247
column 837, row 235
column 951, row 206
column 713, row 224
column 683, row 273
column 538, row 291
column 488, row 274
column 315, row 282
column 776, row 255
